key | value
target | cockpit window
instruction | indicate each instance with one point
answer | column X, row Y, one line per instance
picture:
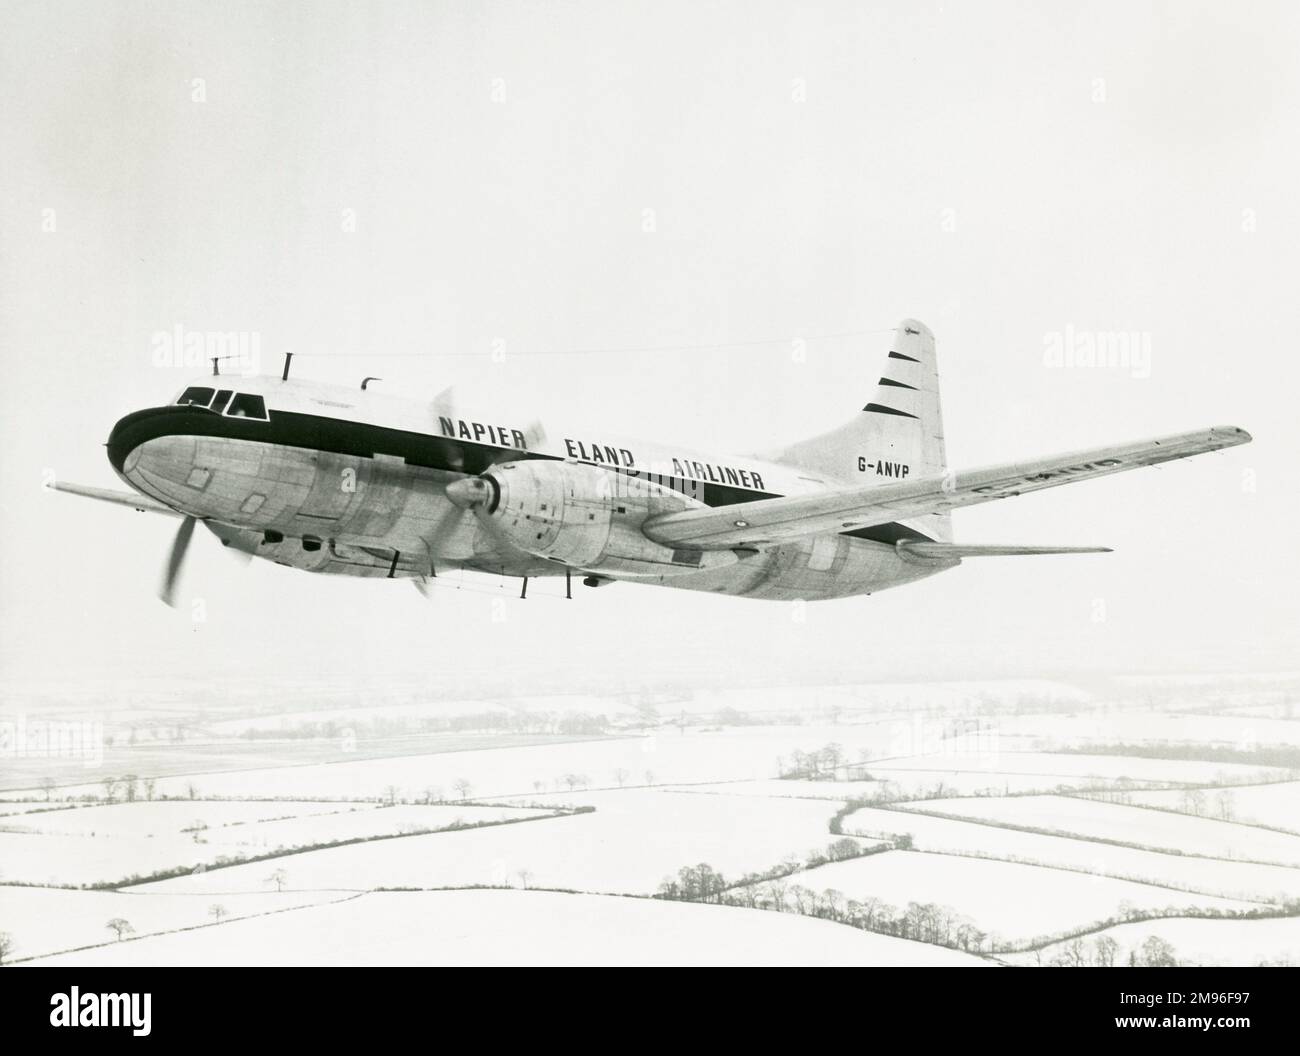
column 195, row 396
column 245, row 405
column 219, row 404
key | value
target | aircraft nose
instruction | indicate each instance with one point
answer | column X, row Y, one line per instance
column 118, row 446
column 155, row 428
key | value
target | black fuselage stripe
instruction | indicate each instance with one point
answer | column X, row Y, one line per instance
column 365, row 440
column 896, row 384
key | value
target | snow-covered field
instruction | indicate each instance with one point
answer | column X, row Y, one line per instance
column 1008, row 900
column 665, row 757
column 1199, row 942
column 1137, row 825
column 702, row 792
column 1070, row 767
column 158, row 818
column 839, row 791
column 20, row 808
column 362, row 715
column 906, row 783
column 103, row 846
column 1277, row 805
column 1211, row 876
column 519, row 927
column 1147, row 727
column 43, row 920
column 633, row 840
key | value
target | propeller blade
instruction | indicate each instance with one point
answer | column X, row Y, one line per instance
column 167, row 592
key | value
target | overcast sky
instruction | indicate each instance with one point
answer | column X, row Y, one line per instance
column 724, row 183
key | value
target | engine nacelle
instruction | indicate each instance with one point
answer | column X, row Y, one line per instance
column 581, row 516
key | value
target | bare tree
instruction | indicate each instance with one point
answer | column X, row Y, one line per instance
column 1157, row 953
column 462, row 787
column 1226, row 803
column 649, row 777
column 121, row 927
column 217, row 912
column 621, row 776
column 1105, row 951
column 433, row 794
column 832, row 903
column 47, row 786
column 831, row 758
column 278, row 878
column 524, row 877
column 1075, row 954
column 150, row 784
column 804, row 899
column 110, row 788
column 390, row 795
column 646, row 712
column 131, row 784
column 843, row 848
column 870, row 912
column 6, row 945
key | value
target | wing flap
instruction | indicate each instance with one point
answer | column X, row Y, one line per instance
column 770, row 521
column 947, row 551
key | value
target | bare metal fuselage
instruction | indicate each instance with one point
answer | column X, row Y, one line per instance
column 347, row 482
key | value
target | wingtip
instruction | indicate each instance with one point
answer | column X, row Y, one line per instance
column 1235, row 434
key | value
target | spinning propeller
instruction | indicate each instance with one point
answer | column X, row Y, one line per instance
column 175, row 559
column 238, row 541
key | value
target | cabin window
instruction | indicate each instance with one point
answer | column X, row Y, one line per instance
column 245, row 405
column 195, row 396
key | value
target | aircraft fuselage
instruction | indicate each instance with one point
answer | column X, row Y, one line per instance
column 346, row 481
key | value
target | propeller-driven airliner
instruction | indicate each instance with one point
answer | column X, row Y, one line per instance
column 358, row 482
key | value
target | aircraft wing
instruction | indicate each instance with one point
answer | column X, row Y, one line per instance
column 120, row 498
column 769, row 521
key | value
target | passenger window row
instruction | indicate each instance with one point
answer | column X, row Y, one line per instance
column 225, row 401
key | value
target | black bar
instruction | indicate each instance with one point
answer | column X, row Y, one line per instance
column 1019, row 1010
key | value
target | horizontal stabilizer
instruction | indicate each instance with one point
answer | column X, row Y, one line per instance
column 946, row 551
column 120, row 498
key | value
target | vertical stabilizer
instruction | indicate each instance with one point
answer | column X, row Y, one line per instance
column 898, row 432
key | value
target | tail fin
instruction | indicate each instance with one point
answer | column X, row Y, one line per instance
column 898, row 433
